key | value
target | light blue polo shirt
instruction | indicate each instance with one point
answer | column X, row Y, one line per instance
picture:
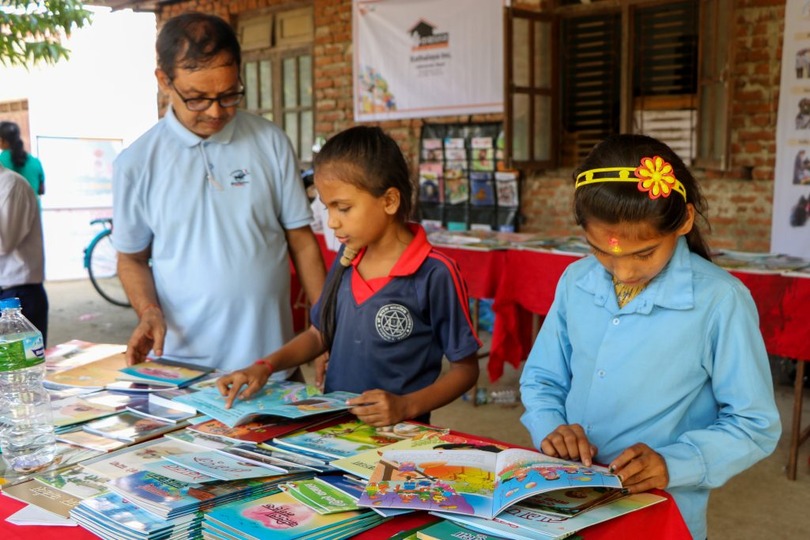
column 682, row 368
column 219, row 253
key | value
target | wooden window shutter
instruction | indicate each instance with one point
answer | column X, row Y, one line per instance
column 590, row 60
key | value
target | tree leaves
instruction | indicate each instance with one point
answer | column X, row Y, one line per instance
column 33, row 31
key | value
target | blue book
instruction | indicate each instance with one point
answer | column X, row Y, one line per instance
column 278, row 398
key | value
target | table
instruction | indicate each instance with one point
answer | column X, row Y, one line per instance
column 522, row 284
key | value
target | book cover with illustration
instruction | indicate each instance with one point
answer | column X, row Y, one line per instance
column 260, row 430
column 133, row 458
column 112, row 516
column 273, row 459
column 473, row 482
column 92, row 376
column 77, row 352
column 58, row 491
column 320, row 496
column 75, row 410
column 286, row 399
column 163, row 372
column 279, row 516
column 362, row 464
column 172, row 470
column 129, row 427
column 521, row 521
column 350, row 438
column 224, row 466
column 91, row 441
column 159, row 412
column 169, row 498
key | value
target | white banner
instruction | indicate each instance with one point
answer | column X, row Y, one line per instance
column 790, row 232
column 419, row 58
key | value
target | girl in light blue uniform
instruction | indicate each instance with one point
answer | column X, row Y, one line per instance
column 650, row 359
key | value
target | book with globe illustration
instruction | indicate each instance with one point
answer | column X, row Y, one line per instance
column 474, row 482
column 286, row 399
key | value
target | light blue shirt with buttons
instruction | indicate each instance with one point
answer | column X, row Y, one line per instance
column 682, row 368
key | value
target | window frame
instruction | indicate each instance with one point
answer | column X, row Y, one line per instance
column 708, row 43
column 277, row 49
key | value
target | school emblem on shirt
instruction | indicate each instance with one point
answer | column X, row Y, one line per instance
column 394, row 322
column 239, row 177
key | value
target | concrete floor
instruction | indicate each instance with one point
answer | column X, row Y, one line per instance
column 758, row 504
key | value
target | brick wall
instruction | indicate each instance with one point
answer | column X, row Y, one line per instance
column 740, row 201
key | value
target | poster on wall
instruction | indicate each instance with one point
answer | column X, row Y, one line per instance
column 78, row 171
column 418, row 58
column 790, row 232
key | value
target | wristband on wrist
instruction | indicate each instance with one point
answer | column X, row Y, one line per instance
column 267, row 364
column 147, row 307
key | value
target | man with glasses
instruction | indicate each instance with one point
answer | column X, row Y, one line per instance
column 208, row 210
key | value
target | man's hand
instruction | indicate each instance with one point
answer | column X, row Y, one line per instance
column 640, row 468
column 148, row 335
column 253, row 377
column 569, row 441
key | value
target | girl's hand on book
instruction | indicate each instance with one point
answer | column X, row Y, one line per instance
column 569, row 441
column 253, row 377
column 379, row 408
column 640, row 468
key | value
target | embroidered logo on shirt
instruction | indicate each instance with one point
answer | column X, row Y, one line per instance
column 239, row 177
column 394, row 322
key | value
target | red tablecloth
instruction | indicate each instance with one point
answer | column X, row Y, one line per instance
column 662, row 521
column 523, row 282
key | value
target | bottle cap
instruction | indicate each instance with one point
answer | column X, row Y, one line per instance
column 10, row 303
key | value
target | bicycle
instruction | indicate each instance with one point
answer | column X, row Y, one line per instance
column 101, row 262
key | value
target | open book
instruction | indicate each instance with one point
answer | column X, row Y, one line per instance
column 473, row 482
column 278, row 398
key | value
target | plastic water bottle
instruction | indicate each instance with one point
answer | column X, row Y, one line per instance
column 505, row 396
column 26, row 427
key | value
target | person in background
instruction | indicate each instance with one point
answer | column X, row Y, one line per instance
column 22, row 258
column 14, row 157
column 393, row 306
column 650, row 359
column 208, row 210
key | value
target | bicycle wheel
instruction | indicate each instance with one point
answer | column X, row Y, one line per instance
column 102, row 265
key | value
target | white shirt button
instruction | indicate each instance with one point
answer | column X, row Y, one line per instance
column 616, row 321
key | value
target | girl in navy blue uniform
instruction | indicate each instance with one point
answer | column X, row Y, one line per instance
column 392, row 307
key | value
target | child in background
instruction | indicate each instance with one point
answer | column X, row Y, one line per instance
column 650, row 359
column 392, row 306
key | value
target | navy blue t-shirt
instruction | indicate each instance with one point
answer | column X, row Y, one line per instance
column 395, row 339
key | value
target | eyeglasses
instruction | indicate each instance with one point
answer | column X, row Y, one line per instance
column 199, row 104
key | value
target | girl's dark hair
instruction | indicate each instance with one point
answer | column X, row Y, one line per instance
column 370, row 160
column 617, row 202
column 191, row 40
column 10, row 132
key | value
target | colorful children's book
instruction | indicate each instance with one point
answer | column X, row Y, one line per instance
column 446, row 530
column 261, row 430
column 43, row 496
column 268, row 458
column 171, row 498
column 197, row 439
column 279, row 516
column 135, row 458
column 75, row 410
column 224, row 466
column 111, row 516
column 166, row 468
column 286, row 399
column 129, row 427
column 320, row 496
column 473, row 482
column 91, row 441
column 163, row 372
column 159, row 412
column 522, row 521
column 76, row 352
column 350, row 438
column 93, row 375
column 362, row 465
